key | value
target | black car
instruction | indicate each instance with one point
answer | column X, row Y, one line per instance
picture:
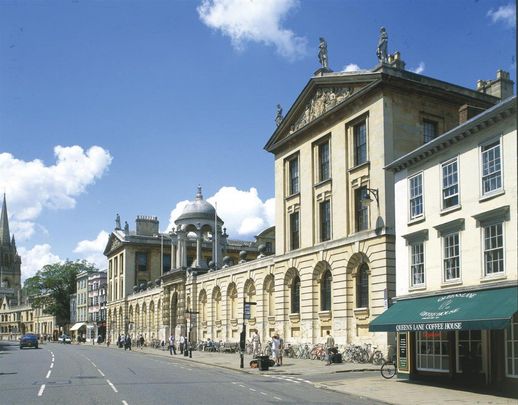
column 29, row 340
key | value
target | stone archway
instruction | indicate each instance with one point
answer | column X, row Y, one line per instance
column 173, row 319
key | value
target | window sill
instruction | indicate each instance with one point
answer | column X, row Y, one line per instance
column 295, row 318
column 496, row 277
column 271, row 320
column 325, row 315
column 323, row 182
column 292, row 196
column 416, row 220
column 361, row 314
column 446, row 211
column 360, row 166
column 491, row 195
column 446, row 284
column 417, row 288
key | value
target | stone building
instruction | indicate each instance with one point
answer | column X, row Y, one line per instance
column 10, row 261
column 333, row 267
column 97, row 286
column 456, row 312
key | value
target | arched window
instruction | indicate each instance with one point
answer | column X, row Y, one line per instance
column 295, row 295
column 362, row 286
column 325, row 291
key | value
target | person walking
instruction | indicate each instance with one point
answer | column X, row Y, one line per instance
column 141, row 342
column 330, row 345
column 281, row 349
column 172, row 349
column 182, row 343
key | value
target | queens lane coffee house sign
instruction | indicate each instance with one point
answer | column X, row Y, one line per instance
column 474, row 310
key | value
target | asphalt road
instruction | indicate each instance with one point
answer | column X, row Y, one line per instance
column 72, row 374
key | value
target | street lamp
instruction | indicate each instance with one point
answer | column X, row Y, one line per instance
column 188, row 345
column 366, row 200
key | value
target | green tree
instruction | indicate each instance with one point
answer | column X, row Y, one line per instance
column 52, row 286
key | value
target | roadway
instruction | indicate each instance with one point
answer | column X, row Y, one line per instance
column 83, row 374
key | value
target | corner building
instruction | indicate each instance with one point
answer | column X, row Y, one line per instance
column 334, row 263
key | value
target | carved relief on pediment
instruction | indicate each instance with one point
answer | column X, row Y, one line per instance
column 324, row 100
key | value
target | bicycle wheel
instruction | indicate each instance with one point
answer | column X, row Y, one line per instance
column 388, row 370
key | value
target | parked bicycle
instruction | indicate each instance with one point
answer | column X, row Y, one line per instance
column 388, row 369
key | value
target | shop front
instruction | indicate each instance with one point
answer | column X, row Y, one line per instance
column 467, row 337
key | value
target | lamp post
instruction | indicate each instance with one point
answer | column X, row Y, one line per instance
column 366, row 199
column 242, row 340
column 188, row 346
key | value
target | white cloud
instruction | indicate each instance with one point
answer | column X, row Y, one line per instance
column 420, row 68
column 32, row 186
column 351, row 67
column 92, row 250
column 35, row 258
column 254, row 21
column 505, row 14
column 244, row 213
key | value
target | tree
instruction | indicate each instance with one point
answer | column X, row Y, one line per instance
column 52, row 286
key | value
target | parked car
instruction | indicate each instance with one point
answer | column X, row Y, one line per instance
column 64, row 339
column 29, row 340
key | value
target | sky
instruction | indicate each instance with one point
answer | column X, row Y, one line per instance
column 126, row 107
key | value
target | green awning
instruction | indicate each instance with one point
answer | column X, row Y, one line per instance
column 481, row 309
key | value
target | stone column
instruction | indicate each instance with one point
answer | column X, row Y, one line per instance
column 199, row 237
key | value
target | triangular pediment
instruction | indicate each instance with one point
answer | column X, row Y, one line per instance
column 321, row 96
column 114, row 242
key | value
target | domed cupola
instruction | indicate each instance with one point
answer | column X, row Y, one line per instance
column 199, row 209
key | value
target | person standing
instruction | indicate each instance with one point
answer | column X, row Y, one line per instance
column 256, row 344
column 172, row 349
column 141, row 342
column 182, row 343
column 281, row 349
column 330, row 345
column 276, row 345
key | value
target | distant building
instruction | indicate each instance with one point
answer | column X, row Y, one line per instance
column 10, row 261
column 96, row 327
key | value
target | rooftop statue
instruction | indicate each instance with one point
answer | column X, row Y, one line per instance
column 118, row 222
column 381, row 52
column 322, row 53
column 278, row 115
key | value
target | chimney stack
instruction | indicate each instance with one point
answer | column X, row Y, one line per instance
column 502, row 87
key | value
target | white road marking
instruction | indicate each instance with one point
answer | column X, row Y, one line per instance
column 251, row 389
column 263, row 393
column 100, row 372
column 48, row 374
column 124, row 402
column 277, row 398
column 242, row 386
column 40, row 392
column 93, row 364
column 52, row 365
column 111, row 385
column 233, row 382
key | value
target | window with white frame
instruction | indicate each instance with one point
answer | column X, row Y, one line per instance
column 417, row 264
column 491, row 167
column 323, row 161
column 511, row 348
column 432, row 351
column 415, row 185
column 493, row 249
column 293, row 169
column 451, row 258
column 450, row 184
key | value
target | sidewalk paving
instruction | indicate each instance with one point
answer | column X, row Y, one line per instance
column 370, row 386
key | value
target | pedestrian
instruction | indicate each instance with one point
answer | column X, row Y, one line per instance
column 172, row 349
column 128, row 342
column 276, row 346
column 141, row 342
column 281, row 350
column 330, row 345
column 256, row 344
column 182, row 343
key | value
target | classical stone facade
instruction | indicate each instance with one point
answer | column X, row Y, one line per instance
column 334, row 263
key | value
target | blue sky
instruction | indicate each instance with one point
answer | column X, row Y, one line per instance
column 126, row 106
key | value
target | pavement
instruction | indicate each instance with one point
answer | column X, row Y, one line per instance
column 354, row 381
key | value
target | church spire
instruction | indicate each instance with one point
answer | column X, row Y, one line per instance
column 4, row 226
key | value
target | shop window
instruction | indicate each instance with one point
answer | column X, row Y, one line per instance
column 295, row 295
column 432, row 351
column 469, row 351
column 450, row 184
column 511, row 348
column 494, row 249
column 491, row 168
column 325, row 291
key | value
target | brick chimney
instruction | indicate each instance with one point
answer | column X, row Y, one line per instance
column 502, row 87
